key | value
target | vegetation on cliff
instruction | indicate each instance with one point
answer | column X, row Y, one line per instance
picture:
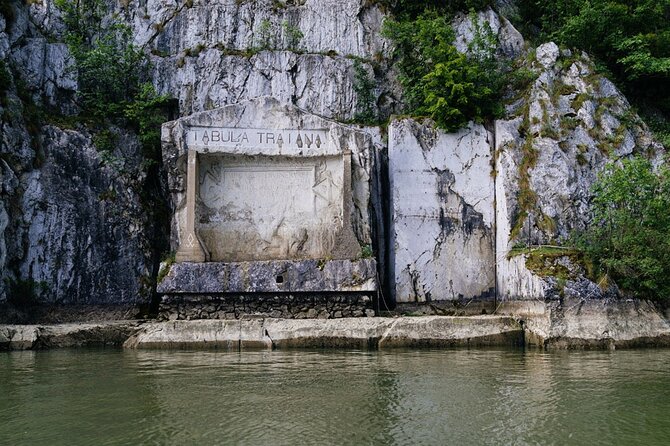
column 112, row 73
column 629, row 239
column 629, row 39
column 438, row 81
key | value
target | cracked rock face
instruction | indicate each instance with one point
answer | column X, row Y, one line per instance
column 556, row 139
column 83, row 225
column 443, row 212
column 211, row 54
column 73, row 229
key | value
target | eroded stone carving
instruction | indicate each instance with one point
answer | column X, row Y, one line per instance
column 271, row 182
column 263, row 208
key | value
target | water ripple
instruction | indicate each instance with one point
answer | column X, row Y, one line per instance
column 111, row 397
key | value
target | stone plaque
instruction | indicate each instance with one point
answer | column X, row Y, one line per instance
column 261, row 180
column 258, row 141
column 267, row 207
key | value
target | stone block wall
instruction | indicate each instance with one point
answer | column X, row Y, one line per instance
column 272, row 305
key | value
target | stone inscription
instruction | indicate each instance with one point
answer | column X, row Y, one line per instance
column 246, row 190
column 269, row 207
column 213, row 138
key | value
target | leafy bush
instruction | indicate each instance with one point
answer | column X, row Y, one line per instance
column 266, row 39
column 629, row 238
column 110, row 69
column 439, row 81
column 364, row 87
column 293, row 36
column 112, row 72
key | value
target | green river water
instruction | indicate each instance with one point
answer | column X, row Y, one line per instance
column 501, row 397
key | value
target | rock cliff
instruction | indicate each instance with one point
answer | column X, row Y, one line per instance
column 82, row 222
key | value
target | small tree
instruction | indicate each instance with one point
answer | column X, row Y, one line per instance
column 629, row 238
column 440, row 82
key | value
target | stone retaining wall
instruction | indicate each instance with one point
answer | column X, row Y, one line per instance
column 287, row 306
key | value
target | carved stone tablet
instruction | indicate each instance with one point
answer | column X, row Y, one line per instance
column 260, row 181
column 263, row 208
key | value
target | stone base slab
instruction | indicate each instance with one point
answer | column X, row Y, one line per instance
column 288, row 306
column 277, row 276
column 565, row 324
column 37, row 337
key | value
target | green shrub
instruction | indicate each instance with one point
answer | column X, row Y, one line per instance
column 629, row 238
column 146, row 112
column 364, row 87
column 109, row 67
column 440, row 82
column 266, row 38
column 293, row 36
column 112, row 74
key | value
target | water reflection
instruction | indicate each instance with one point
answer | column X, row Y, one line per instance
column 325, row 397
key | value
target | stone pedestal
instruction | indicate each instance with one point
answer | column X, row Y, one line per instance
column 283, row 289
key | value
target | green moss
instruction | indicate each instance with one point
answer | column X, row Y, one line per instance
column 561, row 89
column 526, row 197
column 105, row 140
column 568, row 124
column 543, row 260
column 579, row 100
column 548, row 131
column 581, row 159
column 108, row 195
column 167, row 263
column 366, row 252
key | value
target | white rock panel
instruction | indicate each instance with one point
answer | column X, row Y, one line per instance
column 443, row 212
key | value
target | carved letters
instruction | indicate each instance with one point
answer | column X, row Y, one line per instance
column 217, row 138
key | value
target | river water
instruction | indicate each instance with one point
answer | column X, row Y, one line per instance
column 501, row 397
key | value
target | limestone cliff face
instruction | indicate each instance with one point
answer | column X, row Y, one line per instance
column 558, row 135
column 78, row 223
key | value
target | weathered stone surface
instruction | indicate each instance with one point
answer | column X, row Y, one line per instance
column 83, row 224
column 47, row 67
column 207, row 54
column 270, row 277
column 344, row 333
column 510, row 41
column 550, row 150
column 593, row 324
column 443, row 212
column 571, row 323
column 335, row 190
column 33, row 337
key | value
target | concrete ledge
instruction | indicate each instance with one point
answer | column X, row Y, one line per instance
column 271, row 277
column 565, row 324
column 580, row 324
column 433, row 331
